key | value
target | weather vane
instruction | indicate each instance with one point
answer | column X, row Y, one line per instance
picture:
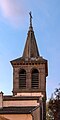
column 30, row 18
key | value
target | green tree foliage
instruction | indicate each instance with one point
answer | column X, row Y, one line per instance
column 49, row 113
column 54, row 104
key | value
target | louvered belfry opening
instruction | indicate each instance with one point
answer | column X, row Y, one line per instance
column 22, row 79
column 35, row 79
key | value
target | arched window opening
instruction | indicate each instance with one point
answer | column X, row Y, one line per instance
column 35, row 79
column 22, row 78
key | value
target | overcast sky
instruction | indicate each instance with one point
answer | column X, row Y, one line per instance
column 14, row 25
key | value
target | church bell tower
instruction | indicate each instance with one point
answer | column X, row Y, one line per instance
column 30, row 72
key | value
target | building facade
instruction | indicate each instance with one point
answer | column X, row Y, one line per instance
column 29, row 84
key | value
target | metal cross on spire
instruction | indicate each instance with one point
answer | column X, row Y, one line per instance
column 30, row 19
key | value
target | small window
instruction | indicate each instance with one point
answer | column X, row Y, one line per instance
column 22, row 78
column 35, row 79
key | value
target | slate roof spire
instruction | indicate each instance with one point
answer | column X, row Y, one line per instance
column 31, row 48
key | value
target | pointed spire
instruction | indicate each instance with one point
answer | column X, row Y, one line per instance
column 30, row 19
column 31, row 49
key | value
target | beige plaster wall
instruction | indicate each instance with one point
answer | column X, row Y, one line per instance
column 17, row 116
column 29, row 94
column 20, row 103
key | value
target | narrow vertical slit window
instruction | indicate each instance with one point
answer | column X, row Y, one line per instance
column 22, row 79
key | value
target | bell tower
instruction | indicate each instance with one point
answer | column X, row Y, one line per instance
column 30, row 70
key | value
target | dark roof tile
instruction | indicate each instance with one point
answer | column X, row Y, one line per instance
column 16, row 110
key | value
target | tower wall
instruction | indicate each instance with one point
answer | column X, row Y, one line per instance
column 28, row 69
